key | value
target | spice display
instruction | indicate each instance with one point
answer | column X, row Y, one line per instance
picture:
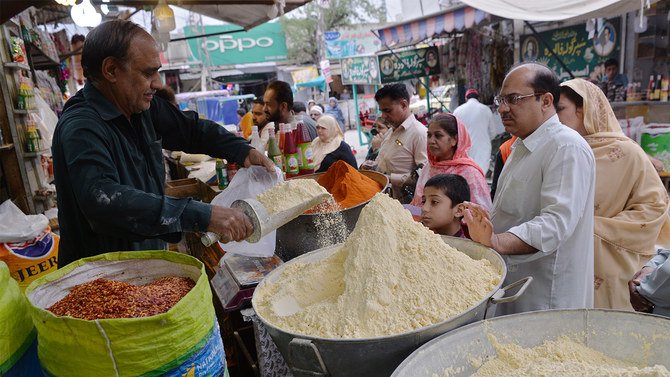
column 392, row 275
column 348, row 186
column 560, row 357
column 289, row 194
column 103, row 299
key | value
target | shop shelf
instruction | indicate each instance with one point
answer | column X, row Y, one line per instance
column 34, row 154
column 6, row 147
column 14, row 65
column 20, row 112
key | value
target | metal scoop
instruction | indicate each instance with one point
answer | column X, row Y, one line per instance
column 262, row 221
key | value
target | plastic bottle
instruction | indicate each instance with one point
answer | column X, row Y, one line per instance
column 291, row 156
column 282, row 135
column 304, row 142
column 657, row 88
column 273, row 151
column 232, row 169
column 256, row 141
column 221, row 173
column 650, row 88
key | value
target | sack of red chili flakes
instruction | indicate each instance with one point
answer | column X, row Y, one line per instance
column 182, row 342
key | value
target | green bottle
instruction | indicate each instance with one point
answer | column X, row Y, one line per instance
column 221, row 173
column 273, row 151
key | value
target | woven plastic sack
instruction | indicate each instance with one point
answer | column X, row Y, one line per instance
column 184, row 341
column 17, row 334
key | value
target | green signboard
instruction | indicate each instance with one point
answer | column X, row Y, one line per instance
column 264, row 43
column 360, row 70
column 582, row 55
column 409, row 64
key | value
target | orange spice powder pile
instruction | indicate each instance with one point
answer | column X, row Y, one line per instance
column 348, row 186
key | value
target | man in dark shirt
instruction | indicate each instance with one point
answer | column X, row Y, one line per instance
column 107, row 154
column 278, row 99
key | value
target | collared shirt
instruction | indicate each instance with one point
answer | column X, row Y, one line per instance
column 110, row 176
column 478, row 120
column 656, row 286
column 403, row 150
column 545, row 197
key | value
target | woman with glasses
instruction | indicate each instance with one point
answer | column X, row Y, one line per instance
column 448, row 145
column 631, row 203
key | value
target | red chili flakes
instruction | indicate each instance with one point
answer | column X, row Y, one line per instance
column 102, row 298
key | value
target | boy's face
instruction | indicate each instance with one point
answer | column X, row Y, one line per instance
column 437, row 212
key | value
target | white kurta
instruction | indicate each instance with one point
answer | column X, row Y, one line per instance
column 656, row 286
column 479, row 121
column 545, row 197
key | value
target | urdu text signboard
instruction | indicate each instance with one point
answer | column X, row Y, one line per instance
column 584, row 56
column 350, row 42
column 362, row 70
column 409, row 64
column 264, row 43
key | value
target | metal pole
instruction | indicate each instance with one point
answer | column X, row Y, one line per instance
column 358, row 118
column 427, row 85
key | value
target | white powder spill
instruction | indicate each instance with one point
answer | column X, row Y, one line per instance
column 392, row 275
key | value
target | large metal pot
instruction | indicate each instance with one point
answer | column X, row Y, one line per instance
column 634, row 337
column 300, row 235
column 378, row 356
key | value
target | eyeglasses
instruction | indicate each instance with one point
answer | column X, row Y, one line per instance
column 512, row 99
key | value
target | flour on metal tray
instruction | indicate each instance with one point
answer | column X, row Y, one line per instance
column 392, row 275
column 560, row 357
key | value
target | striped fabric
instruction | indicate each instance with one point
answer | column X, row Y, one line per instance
column 418, row 30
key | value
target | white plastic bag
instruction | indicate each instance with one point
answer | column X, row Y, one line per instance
column 16, row 226
column 247, row 184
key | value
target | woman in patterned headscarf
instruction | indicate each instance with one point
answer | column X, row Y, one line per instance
column 631, row 203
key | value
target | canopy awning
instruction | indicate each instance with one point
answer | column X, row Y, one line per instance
column 417, row 30
column 553, row 10
column 318, row 82
column 244, row 13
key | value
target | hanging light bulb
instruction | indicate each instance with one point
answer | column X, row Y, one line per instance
column 84, row 14
column 164, row 17
column 67, row 3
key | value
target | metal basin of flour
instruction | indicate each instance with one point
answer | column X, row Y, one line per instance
column 633, row 337
column 300, row 235
column 378, row 356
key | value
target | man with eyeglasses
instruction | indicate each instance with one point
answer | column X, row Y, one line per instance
column 542, row 215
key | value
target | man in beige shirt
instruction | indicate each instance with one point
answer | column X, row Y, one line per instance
column 403, row 149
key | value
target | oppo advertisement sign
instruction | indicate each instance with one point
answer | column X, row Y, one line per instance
column 264, row 43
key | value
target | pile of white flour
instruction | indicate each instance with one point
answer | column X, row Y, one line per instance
column 392, row 275
column 560, row 357
column 289, row 194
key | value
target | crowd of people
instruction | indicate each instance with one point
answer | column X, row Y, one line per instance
column 577, row 206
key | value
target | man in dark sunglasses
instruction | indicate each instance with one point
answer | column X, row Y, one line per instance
column 542, row 216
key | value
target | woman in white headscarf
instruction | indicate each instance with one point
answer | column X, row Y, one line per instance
column 631, row 203
column 329, row 146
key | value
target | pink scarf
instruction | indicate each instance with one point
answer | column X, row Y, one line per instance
column 460, row 164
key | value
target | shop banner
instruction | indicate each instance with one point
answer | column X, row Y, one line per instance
column 360, row 70
column 413, row 63
column 304, row 75
column 584, row 56
column 350, row 42
column 264, row 43
column 325, row 70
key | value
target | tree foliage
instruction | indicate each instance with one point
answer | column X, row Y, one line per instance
column 301, row 28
